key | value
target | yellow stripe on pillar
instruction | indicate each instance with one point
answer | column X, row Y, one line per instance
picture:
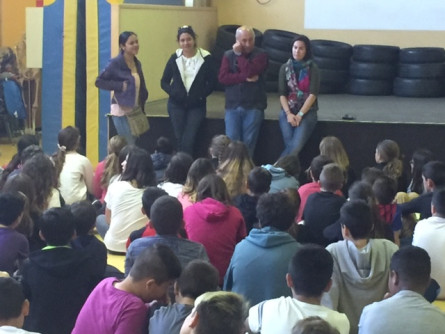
column 69, row 63
column 92, row 99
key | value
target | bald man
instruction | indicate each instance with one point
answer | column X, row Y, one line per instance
column 241, row 72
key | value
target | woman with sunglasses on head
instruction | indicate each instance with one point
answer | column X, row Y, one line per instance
column 124, row 76
column 189, row 77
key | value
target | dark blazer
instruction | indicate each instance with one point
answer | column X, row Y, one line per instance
column 113, row 78
column 202, row 86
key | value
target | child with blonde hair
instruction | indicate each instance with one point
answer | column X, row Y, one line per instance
column 235, row 168
column 108, row 167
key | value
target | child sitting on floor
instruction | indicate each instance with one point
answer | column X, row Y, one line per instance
column 14, row 247
column 385, row 191
column 323, row 209
column 258, row 183
column 84, row 215
column 57, row 279
column 197, row 278
column 162, row 156
column 118, row 307
column 14, row 307
column 216, row 312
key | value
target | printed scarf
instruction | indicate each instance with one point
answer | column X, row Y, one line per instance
column 297, row 77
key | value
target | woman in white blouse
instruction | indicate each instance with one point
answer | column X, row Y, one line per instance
column 189, row 77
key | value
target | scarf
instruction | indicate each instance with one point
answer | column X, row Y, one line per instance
column 297, row 77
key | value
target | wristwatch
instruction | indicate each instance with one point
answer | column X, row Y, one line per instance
column 300, row 113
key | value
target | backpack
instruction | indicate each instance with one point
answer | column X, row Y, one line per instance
column 13, row 99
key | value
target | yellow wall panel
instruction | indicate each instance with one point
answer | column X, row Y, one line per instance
column 156, row 27
column 289, row 15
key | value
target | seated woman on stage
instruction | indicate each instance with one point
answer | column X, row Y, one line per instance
column 298, row 86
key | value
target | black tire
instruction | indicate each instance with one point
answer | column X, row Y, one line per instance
column 332, row 63
column 271, row 76
column 218, row 53
column 225, row 36
column 331, row 49
column 278, row 55
column 369, row 87
column 418, row 87
column 271, row 86
column 333, row 77
column 374, row 71
column 375, row 53
column 278, row 39
column 422, row 55
column 274, row 67
column 332, row 89
column 422, row 71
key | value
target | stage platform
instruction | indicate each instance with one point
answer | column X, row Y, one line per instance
column 412, row 122
column 332, row 107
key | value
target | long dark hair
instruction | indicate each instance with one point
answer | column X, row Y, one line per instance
column 307, row 43
column 139, row 168
column 213, row 186
column 123, row 38
column 41, row 170
column 419, row 159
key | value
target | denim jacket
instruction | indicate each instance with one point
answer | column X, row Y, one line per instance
column 113, row 78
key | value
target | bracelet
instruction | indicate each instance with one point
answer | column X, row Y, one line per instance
column 300, row 113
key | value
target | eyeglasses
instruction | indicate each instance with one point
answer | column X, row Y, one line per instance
column 185, row 27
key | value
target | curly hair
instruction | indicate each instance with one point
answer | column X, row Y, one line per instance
column 42, row 171
column 389, row 152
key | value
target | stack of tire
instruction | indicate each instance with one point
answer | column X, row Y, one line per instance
column 278, row 45
column 225, row 38
column 373, row 69
column 421, row 73
column 333, row 59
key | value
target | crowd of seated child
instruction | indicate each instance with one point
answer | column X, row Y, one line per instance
column 198, row 205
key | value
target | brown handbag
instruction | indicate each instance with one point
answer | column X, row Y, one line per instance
column 138, row 121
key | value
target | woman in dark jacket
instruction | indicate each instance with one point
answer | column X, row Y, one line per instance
column 189, row 77
column 124, row 76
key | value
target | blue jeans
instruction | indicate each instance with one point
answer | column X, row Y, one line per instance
column 296, row 137
column 123, row 129
column 102, row 226
column 244, row 124
column 186, row 123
